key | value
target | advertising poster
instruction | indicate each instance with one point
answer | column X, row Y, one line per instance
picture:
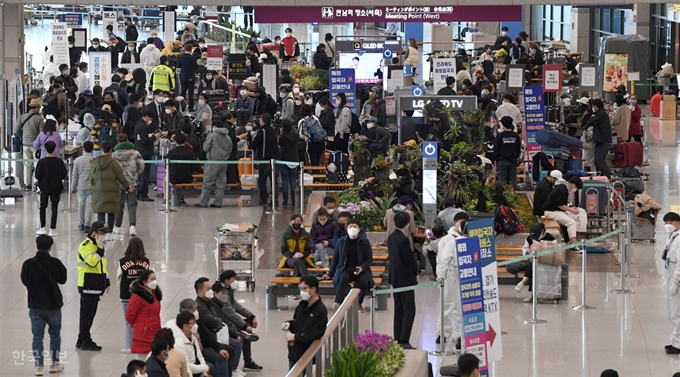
column 472, row 301
column 214, row 58
column 443, row 68
column 342, row 81
column 60, row 43
column 484, row 230
column 615, row 71
column 368, row 66
column 534, row 118
column 100, row 69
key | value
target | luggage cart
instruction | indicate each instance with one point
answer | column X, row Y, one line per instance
column 236, row 250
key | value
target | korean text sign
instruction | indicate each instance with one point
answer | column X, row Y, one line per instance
column 534, row 117
column 342, row 81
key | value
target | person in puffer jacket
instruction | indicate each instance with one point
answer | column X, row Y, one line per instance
column 144, row 312
column 217, row 147
column 133, row 165
column 321, row 236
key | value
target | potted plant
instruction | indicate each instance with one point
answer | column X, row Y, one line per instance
column 373, row 354
column 380, row 168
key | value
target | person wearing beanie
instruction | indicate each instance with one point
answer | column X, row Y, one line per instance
column 602, row 136
column 507, row 149
column 217, row 147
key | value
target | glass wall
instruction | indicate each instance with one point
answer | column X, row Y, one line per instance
column 551, row 22
column 663, row 36
column 605, row 22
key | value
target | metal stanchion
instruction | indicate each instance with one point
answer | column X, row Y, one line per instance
column 622, row 289
column 441, row 350
column 274, row 188
column 302, row 189
column 372, row 315
column 166, row 189
column 583, row 305
column 629, row 224
column 70, row 186
column 534, row 294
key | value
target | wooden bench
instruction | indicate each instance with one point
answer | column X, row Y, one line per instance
column 377, row 257
column 281, row 286
column 550, row 224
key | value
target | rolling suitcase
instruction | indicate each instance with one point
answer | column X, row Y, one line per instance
column 548, row 282
column 245, row 169
column 594, row 196
column 215, row 96
column 627, row 154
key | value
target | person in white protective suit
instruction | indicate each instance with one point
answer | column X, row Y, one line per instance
column 671, row 256
column 447, row 268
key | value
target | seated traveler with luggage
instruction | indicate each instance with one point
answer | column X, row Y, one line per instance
column 557, row 206
column 537, row 233
column 296, row 248
column 321, row 236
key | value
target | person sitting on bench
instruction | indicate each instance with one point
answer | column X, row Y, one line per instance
column 536, row 233
column 557, row 206
column 321, row 234
column 351, row 262
column 296, row 247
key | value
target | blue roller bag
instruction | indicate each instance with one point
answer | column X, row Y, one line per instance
column 574, row 164
column 594, row 197
column 544, row 174
column 596, row 249
column 556, row 139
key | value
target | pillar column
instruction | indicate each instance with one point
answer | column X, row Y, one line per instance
column 580, row 32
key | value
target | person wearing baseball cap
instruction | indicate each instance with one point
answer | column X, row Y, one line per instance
column 93, row 281
column 602, row 135
column 507, row 148
column 543, row 189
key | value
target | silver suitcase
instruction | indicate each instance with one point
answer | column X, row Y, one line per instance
column 643, row 230
column 548, row 282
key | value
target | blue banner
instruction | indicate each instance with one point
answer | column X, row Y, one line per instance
column 342, row 81
column 534, row 116
column 472, row 300
column 72, row 19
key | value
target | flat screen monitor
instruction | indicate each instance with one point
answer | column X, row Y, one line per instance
column 367, row 65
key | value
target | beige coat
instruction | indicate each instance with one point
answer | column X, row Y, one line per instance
column 621, row 121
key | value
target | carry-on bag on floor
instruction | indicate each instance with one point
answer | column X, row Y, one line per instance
column 215, row 96
column 594, row 196
column 557, row 139
column 548, row 282
column 627, row 154
column 643, row 230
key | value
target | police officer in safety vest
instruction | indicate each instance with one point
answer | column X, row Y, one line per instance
column 162, row 77
column 93, row 281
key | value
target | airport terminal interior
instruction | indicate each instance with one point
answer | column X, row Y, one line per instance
column 625, row 332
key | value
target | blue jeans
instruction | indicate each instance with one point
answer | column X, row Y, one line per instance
column 128, row 327
column 40, row 318
column 238, row 348
column 288, row 177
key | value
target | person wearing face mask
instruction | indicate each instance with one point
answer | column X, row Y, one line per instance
column 131, row 33
column 217, row 147
column 621, row 119
column 671, row 257
column 287, row 102
column 208, row 326
column 558, row 208
column 208, row 82
column 183, row 329
column 635, row 129
column 130, row 267
column 244, row 106
column 486, row 95
column 144, row 139
column 343, row 121
column 82, row 82
column 352, row 260
column 321, row 235
column 135, row 368
column 132, row 113
column 162, row 77
column 507, row 148
column 290, row 49
column 486, row 55
column 309, row 320
column 133, row 166
column 378, row 138
column 296, row 247
column 69, row 82
column 602, row 136
column 172, row 120
column 155, row 364
column 264, row 103
column 509, row 109
column 503, row 41
column 321, row 58
column 150, row 55
column 265, row 147
column 131, row 56
column 537, row 233
column 96, row 46
column 144, row 311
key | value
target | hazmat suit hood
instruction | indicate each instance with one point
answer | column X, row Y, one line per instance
column 89, row 121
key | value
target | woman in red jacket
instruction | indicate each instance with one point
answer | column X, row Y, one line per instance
column 635, row 129
column 144, row 311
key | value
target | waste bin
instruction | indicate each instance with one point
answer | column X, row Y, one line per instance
column 380, row 300
column 270, row 302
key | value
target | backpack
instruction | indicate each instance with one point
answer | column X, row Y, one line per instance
column 355, row 125
column 506, row 220
column 108, row 132
column 313, row 131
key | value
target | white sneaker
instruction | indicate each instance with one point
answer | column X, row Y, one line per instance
column 528, row 299
column 38, row 371
column 133, row 231
column 41, row 232
column 53, row 233
column 238, row 373
column 519, row 286
column 116, row 230
column 125, row 351
column 56, row 368
column 576, row 250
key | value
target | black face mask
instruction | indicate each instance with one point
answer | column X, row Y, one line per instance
column 341, row 226
column 296, row 226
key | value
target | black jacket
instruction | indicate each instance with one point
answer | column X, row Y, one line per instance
column 42, row 275
column 364, row 258
column 264, row 144
column 127, row 57
column 602, row 127
column 447, row 91
column 322, row 61
column 559, row 196
column 122, row 94
column 507, row 146
column 379, row 135
column 144, row 139
column 308, row 325
column 131, row 33
column 181, row 173
column 208, row 324
column 156, row 368
column 543, row 189
column 188, row 65
column 379, row 110
column 289, row 142
column 403, row 269
column 158, row 113
column 133, row 116
column 50, row 173
column 130, row 271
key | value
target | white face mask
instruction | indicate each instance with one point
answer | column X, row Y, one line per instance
column 148, row 123
column 288, row 35
column 139, row 105
column 168, row 111
column 153, row 284
column 196, row 315
column 95, row 45
column 670, row 228
column 337, row 102
column 201, row 102
column 209, row 294
column 194, row 329
column 296, row 90
column 370, row 125
column 305, row 296
column 139, row 374
column 65, row 72
column 249, row 128
column 298, row 103
column 504, row 33
column 283, row 94
column 244, row 93
column 201, row 45
column 208, row 77
column 353, row 232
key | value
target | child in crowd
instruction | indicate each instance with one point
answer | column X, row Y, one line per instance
column 321, row 236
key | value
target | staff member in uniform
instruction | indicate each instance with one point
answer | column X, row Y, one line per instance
column 162, row 77
column 93, row 281
column 671, row 255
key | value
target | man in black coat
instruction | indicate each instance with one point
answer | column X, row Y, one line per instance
column 144, row 144
column 131, row 34
column 265, row 147
column 403, row 272
column 181, row 173
column 132, row 115
column 123, row 99
column 449, row 89
column 208, row 325
column 321, row 59
column 602, row 136
column 188, row 65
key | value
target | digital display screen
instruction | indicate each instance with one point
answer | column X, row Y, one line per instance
column 368, row 66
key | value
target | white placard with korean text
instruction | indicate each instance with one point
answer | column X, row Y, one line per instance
column 60, row 43
column 100, row 69
column 588, row 77
column 443, row 68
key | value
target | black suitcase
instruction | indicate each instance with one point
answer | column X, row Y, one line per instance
column 215, row 96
